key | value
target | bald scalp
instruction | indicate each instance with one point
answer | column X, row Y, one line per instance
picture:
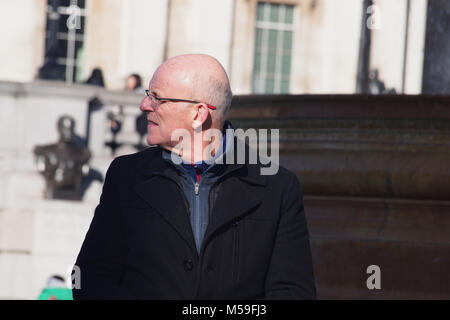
column 206, row 79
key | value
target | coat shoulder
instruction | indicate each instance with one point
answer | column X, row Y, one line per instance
column 283, row 175
column 131, row 165
column 137, row 158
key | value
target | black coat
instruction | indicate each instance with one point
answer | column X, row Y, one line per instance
column 140, row 243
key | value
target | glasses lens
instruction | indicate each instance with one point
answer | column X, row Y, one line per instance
column 153, row 100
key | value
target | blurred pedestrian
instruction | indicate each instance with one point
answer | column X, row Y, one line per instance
column 134, row 83
column 56, row 289
column 96, row 78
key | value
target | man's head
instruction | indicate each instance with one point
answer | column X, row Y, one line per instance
column 195, row 77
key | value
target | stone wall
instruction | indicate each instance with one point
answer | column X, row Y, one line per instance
column 38, row 237
column 375, row 172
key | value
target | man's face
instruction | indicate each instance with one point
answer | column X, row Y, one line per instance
column 164, row 117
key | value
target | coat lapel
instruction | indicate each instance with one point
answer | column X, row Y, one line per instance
column 242, row 190
column 161, row 192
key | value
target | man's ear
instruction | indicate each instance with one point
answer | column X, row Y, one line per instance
column 201, row 115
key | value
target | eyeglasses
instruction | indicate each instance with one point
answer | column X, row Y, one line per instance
column 156, row 100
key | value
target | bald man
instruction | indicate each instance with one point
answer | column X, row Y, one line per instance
column 186, row 218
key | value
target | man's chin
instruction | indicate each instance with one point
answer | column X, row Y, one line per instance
column 152, row 141
column 155, row 141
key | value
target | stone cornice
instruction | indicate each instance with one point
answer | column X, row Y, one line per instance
column 358, row 146
column 56, row 89
column 341, row 106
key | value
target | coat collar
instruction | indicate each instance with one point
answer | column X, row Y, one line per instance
column 242, row 182
column 152, row 163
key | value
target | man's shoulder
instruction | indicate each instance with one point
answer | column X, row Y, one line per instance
column 283, row 175
column 285, row 172
column 276, row 177
column 134, row 160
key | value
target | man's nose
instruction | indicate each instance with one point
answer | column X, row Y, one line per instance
column 146, row 105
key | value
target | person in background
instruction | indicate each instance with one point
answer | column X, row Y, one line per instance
column 134, row 83
column 56, row 289
column 96, row 78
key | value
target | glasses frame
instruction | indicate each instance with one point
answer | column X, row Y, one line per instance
column 147, row 92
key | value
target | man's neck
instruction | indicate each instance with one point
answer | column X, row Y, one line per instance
column 198, row 150
column 195, row 154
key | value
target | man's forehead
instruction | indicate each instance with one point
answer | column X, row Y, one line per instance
column 171, row 79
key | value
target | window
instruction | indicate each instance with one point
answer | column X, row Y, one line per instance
column 66, row 21
column 273, row 48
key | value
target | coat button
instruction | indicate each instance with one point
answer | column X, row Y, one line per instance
column 188, row 265
column 210, row 268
